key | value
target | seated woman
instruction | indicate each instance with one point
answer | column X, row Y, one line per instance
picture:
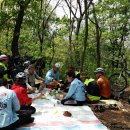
column 21, row 91
column 76, row 93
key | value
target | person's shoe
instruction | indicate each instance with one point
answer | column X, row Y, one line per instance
column 113, row 107
column 31, row 120
column 99, row 108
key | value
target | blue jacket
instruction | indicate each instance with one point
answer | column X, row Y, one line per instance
column 50, row 76
column 76, row 91
column 9, row 104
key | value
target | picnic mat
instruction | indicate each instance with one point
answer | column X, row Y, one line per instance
column 49, row 116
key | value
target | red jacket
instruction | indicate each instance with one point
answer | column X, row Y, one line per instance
column 22, row 95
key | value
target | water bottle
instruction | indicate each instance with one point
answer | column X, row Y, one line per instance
column 54, row 93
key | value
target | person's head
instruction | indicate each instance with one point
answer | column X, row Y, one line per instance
column 26, row 64
column 3, row 82
column 71, row 69
column 20, row 78
column 56, row 67
column 99, row 71
column 31, row 69
column 4, row 59
column 70, row 76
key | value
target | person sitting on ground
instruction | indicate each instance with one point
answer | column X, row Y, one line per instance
column 31, row 77
column 3, row 67
column 66, row 85
column 9, row 105
column 103, row 83
column 77, row 73
column 26, row 65
column 52, row 77
column 92, row 90
column 76, row 94
column 21, row 91
column 4, row 71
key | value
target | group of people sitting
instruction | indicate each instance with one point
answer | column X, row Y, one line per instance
column 15, row 104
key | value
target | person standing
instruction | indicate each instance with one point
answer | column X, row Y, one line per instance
column 103, row 83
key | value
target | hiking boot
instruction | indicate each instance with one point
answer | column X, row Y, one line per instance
column 99, row 108
column 113, row 107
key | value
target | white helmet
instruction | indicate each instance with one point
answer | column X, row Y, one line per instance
column 98, row 70
column 57, row 65
column 27, row 63
column 2, row 57
column 20, row 75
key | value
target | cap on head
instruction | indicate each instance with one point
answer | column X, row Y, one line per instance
column 26, row 63
column 99, row 70
column 3, row 57
column 57, row 65
column 20, row 75
column 31, row 66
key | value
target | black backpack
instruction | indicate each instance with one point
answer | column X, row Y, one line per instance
column 93, row 89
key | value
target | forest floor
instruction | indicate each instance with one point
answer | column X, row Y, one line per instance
column 117, row 119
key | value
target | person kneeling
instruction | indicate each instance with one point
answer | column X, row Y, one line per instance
column 76, row 93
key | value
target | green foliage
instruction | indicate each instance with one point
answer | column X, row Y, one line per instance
column 113, row 19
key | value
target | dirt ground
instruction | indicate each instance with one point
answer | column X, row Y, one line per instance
column 117, row 119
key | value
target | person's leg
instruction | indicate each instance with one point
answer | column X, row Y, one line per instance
column 80, row 103
column 69, row 102
column 11, row 127
column 23, row 119
column 30, row 109
column 104, row 98
column 41, row 87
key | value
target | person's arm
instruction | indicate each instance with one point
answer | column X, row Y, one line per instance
column 57, row 77
column 49, row 76
column 71, row 91
column 99, row 83
column 27, row 84
column 37, row 97
column 38, row 77
column 2, row 71
column 16, row 104
column 26, row 99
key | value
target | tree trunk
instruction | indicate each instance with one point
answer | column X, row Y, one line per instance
column 97, row 38
column 16, row 34
column 85, row 36
column 14, row 47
